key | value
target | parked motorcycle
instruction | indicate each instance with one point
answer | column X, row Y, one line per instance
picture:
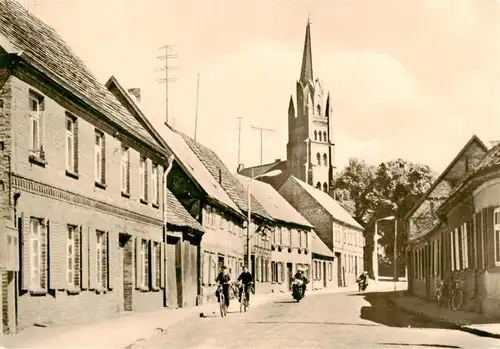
column 297, row 290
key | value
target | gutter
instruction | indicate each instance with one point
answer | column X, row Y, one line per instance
column 170, row 162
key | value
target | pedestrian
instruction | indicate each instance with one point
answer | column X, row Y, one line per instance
column 246, row 280
column 223, row 279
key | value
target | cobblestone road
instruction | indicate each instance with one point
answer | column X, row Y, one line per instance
column 318, row 321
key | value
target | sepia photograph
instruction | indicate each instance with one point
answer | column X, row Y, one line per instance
column 214, row 174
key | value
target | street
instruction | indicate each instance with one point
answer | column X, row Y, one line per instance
column 319, row 321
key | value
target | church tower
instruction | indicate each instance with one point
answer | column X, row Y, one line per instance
column 310, row 147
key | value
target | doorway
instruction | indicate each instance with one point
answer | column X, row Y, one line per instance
column 289, row 267
column 125, row 260
column 174, row 272
column 338, row 257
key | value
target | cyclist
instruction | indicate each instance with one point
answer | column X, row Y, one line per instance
column 223, row 279
column 246, row 280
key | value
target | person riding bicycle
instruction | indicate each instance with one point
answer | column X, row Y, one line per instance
column 223, row 279
column 246, row 280
column 299, row 275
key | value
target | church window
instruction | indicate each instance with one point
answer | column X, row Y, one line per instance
column 325, row 187
column 318, row 158
column 324, row 136
column 320, row 136
column 315, row 135
column 325, row 160
column 318, row 185
column 318, row 109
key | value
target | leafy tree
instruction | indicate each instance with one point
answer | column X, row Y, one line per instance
column 391, row 188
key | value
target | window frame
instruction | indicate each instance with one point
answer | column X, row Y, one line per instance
column 143, row 175
column 100, row 240
column 70, row 140
column 496, row 239
column 36, row 117
column 99, row 163
column 70, row 242
column 143, row 255
column 35, row 273
column 125, row 170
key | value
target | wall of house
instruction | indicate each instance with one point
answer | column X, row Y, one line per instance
column 260, row 246
column 222, row 244
column 349, row 243
column 296, row 253
column 419, row 281
column 319, row 279
column 487, row 201
column 58, row 196
column 53, row 299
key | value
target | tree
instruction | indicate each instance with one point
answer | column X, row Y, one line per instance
column 392, row 188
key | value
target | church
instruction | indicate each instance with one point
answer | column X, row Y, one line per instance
column 310, row 148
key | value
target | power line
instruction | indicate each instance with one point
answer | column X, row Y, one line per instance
column 239, row 140
column 261, row 129
column 166, row 80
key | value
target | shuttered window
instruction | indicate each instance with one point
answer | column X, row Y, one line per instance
column 35, row 254
column 71, row 255
column 496, row 235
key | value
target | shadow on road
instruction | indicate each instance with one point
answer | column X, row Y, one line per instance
column 285, row 302
column 383, row 311
column 310, row 323
column 422, row 345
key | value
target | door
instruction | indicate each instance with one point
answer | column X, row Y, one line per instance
column 119, row 283
column 324, row 274
column 127, row 279
column 172, row 274
column 338, row 257
column 289, row 267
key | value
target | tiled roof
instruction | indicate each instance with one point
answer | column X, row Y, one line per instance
column 185, row 155
column 440, row 179
column 231, row 185
column 329, row 204
column 273, row 202
column 177, row 215
column 43, row 48
column 489, row 160
column 319, row 247
column 260, row 170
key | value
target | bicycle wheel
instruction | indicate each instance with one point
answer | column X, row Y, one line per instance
column 457, row 300
column 222, row 305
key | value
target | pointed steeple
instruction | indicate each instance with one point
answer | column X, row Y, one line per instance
column 306, row 72
column 291, row 107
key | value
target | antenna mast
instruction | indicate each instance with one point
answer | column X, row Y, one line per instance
column 239, row 140
column 261, row 129
column 196, row 115
column 167, row 79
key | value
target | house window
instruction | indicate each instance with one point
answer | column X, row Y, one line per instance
column 318, row 157
column 99, row 158
column 100, row 265
column 71, row 144
column 325, row 160
column 125, row 170
column 214, row 216
column 156, row 187
column 289, row 237
column 143, row 179
column 36, row 124
column 71, row 255
column 465, row 246
column 143, row 257
column 35, row 253
column 497, row 235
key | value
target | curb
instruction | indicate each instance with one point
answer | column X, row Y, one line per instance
column 446, row 323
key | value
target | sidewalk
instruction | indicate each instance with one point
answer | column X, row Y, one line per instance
column 474, row 323
column 128, row 330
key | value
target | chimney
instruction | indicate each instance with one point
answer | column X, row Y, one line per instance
column 240, row 168
column 136, row 92
column 277, row 160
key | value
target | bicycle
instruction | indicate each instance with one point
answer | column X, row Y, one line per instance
column 243, row 300
column 448, row 292
column 222, row 301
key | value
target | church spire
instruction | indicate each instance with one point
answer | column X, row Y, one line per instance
column 306, row 72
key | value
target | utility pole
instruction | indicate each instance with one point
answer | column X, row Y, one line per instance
column 196, row 115
column 261, row 129
column 167, row 79
column 239, row 140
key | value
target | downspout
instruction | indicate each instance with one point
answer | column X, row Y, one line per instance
column 170, row 162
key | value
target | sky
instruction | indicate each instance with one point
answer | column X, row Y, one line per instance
column 411, row 79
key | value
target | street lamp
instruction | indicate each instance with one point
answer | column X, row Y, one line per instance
column 249, row 218
column 375, row 246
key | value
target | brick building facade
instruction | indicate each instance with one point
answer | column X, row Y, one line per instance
column 89, row 246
